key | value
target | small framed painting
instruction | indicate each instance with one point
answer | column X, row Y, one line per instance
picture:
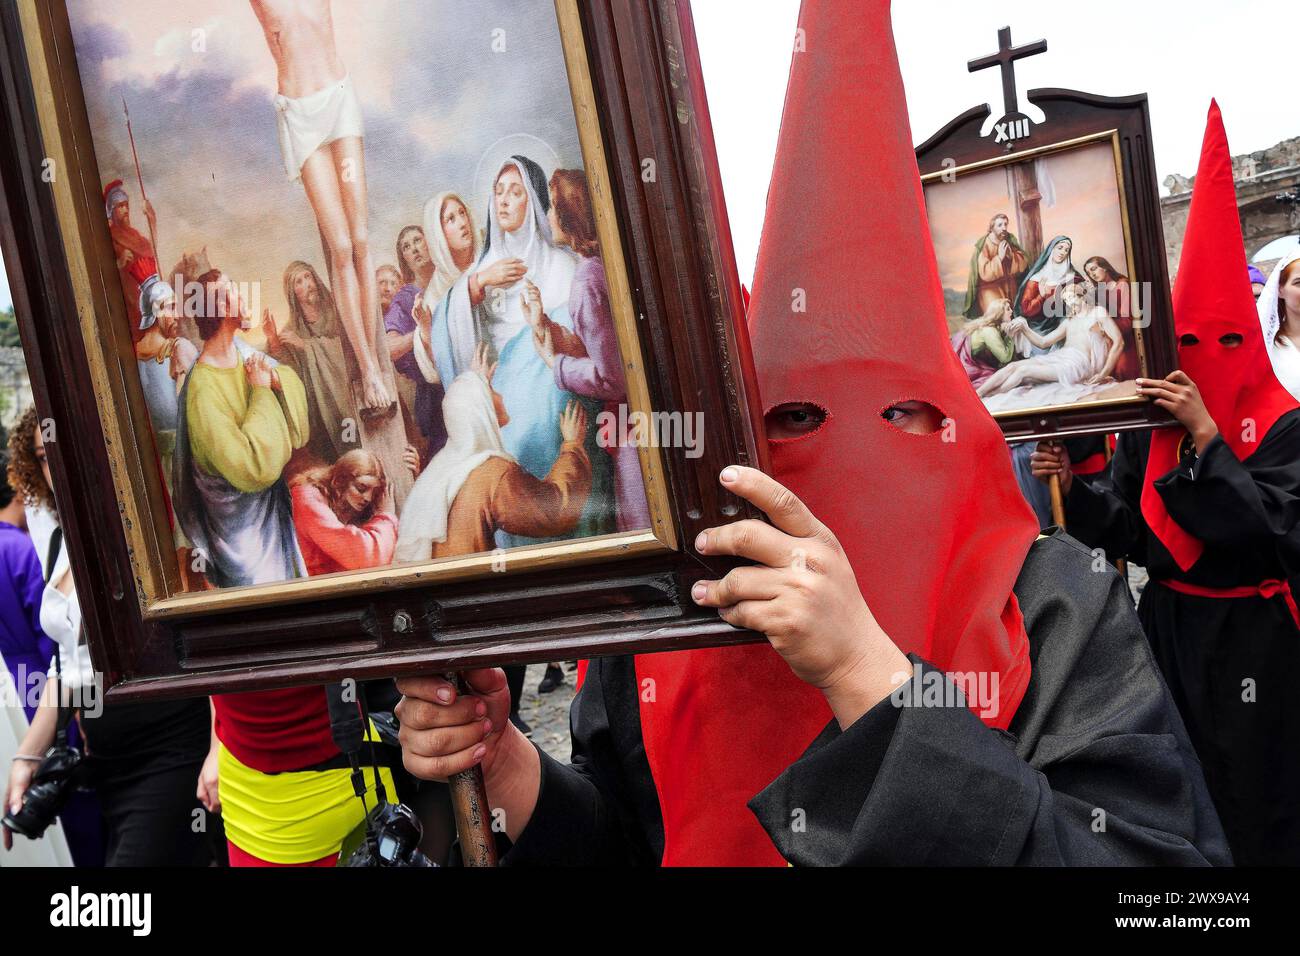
column 1052, row 267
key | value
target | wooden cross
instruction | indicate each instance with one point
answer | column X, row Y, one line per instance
column 1006, row 59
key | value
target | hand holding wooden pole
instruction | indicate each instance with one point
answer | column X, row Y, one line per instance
column 469, row 804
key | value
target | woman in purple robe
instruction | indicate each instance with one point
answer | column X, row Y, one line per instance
column 416, row 264
column 587, row 361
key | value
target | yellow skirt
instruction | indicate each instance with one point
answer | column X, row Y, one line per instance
column 292, row 818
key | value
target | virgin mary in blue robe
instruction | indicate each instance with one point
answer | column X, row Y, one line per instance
column 533, row 401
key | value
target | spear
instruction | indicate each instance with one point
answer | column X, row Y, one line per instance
column 144, row 196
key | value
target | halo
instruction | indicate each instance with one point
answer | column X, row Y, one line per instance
column 496, row 156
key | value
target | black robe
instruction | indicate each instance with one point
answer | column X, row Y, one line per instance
column 1096, row 768
column 1216, row 653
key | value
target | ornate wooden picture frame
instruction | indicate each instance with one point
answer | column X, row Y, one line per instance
column 646, row 145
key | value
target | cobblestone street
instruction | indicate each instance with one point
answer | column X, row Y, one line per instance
column 548, row 714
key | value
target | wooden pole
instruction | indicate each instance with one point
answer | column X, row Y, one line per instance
column 1058, row 502
column 469, row 805
column 1120, row 564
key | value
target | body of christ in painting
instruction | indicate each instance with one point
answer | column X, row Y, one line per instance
column 322, row 138
column 1082, row 351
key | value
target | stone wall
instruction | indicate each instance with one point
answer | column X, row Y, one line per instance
column 15, row 389
column 1261, row 177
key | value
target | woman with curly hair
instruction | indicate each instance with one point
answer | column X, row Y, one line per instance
column 143, row 759
column 23, row 645
column 27, row 523
column 29, row 473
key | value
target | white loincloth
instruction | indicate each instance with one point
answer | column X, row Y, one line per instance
column 315, row 120
column 1072, row 368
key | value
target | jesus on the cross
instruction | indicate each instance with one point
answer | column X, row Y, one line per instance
column 322, row 141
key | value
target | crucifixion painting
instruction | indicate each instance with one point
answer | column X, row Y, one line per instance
column 314, row 427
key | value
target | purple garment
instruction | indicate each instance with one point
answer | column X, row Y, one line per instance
column 600, row 376
column 400, row 319
column 26, row 649
column 977, row 371
column 27, row 652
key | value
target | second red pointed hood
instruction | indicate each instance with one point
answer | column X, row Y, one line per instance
column 1213, row 301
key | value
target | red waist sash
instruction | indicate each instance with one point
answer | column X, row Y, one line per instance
column 1265, row 589
column 1092, row 465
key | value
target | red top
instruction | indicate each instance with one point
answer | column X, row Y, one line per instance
column 329, row 546
column 276, row 731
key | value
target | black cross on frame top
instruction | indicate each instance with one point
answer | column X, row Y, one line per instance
column 1006, row 58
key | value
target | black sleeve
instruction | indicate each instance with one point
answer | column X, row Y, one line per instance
column 1225, row 501
column 585, row 813
column 1101, row 774
column 1107, row 514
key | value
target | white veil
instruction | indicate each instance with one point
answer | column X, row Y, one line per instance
column 473, row 437
column 1286, row 363
column 445, row 272
column 1053, row 272
column 550, row 268
column 1270, row 315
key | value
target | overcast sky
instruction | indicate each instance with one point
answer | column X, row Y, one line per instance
column 444, row 121
column 1243, row 53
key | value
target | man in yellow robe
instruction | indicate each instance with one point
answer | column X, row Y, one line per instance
column 241, row 417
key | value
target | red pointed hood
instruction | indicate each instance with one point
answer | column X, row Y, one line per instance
column 1213, row 299
column 935, row 525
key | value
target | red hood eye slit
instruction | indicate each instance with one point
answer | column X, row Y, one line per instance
column 794, row 420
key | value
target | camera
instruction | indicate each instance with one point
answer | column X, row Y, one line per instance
column 393, row 834
column 58, row 776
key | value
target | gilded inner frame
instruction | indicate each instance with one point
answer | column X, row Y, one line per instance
column 954, row 175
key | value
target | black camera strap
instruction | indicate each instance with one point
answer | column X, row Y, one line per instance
column 349, row 723
column 381, row 794
column 65, row 712
column 349, row 733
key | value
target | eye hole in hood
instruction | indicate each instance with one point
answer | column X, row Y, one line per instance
column 914, row 417
column 794, row 420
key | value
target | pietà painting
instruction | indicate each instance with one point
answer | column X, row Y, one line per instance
column 1044, row 310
